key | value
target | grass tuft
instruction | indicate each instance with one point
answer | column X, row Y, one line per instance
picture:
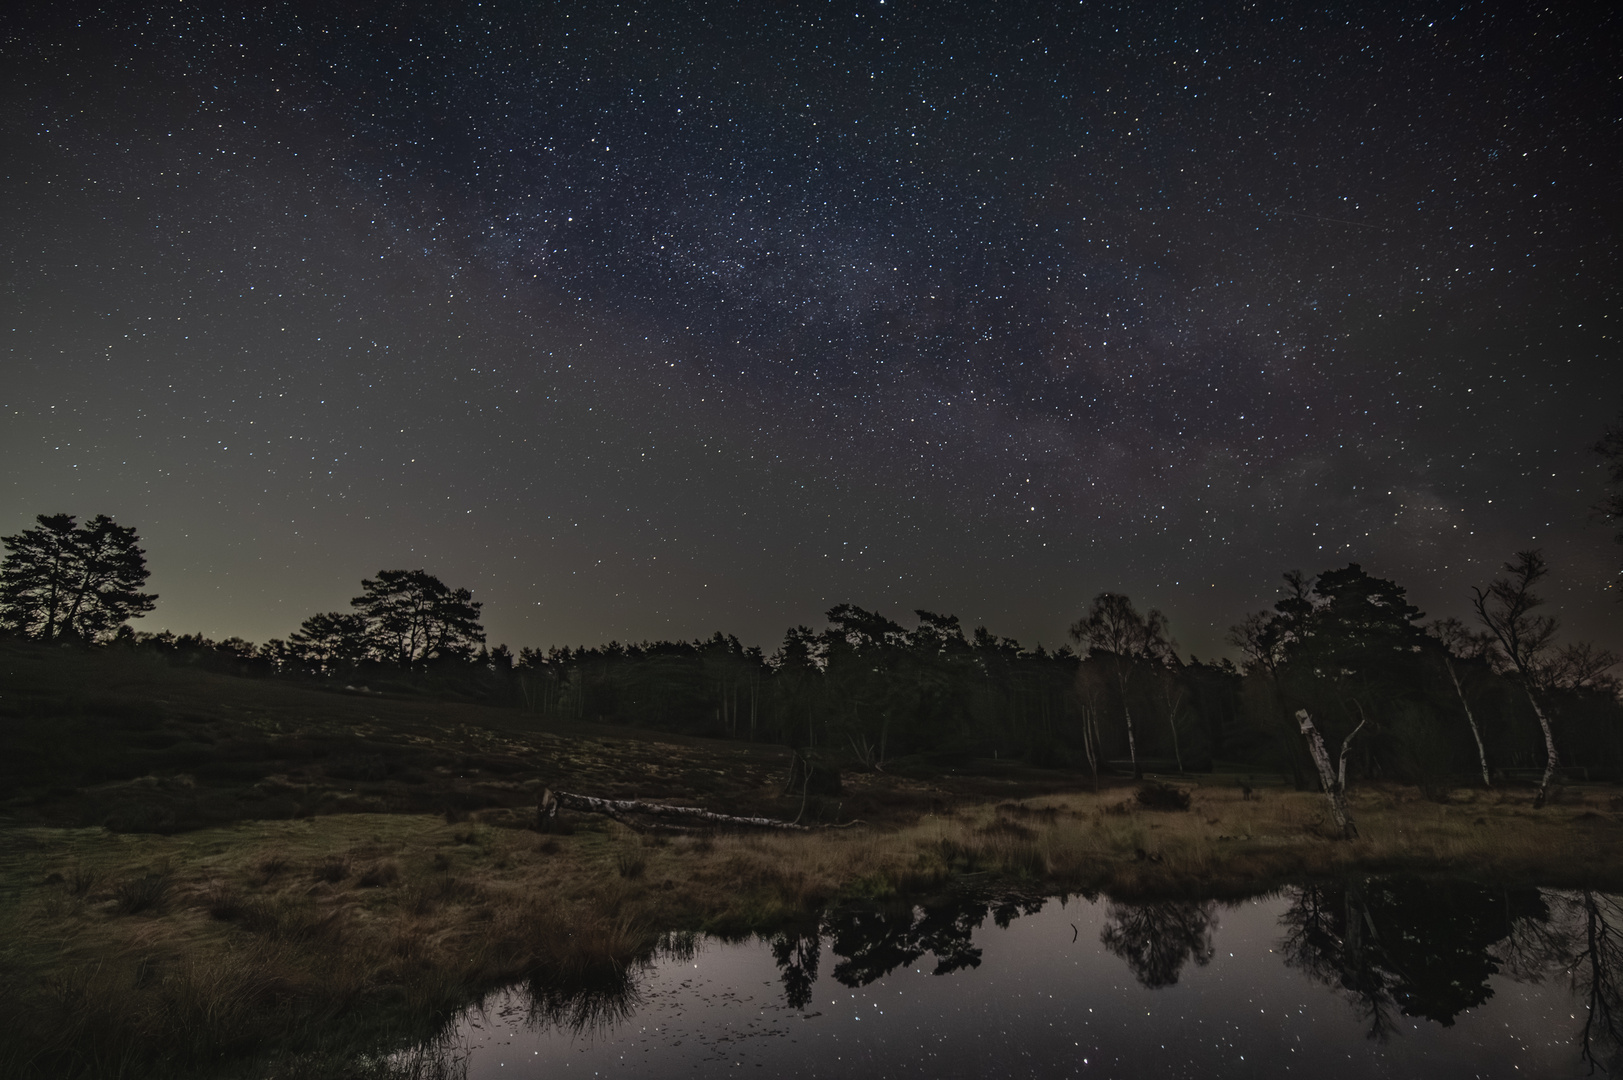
column 81, row 879
column 270, row 867
column 333, row 869
column 147, row 893
column 224, row 903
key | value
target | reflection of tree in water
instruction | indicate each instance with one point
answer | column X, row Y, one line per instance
column 1157, row 939
column 797, row 954
column 1415, row 948
column 1421, row 948
column 1597, row 973
column 873, row 941
column 1584, row 941
column 1580, row 936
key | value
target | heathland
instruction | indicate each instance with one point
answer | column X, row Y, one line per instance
column 214, row 875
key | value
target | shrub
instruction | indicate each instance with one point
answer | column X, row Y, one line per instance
column 1158, row 796
column 630, row 862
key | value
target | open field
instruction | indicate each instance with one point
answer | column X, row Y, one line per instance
column 367, row 866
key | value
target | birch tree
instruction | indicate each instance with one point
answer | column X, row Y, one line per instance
column 1461, row 646
column 1123, row 640
column 1507, row 608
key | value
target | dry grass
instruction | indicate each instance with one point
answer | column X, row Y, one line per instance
column 155, row 955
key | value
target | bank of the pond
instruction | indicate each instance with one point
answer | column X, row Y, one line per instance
column 275, row 948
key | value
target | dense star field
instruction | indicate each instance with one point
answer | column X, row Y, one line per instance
column 645, row 321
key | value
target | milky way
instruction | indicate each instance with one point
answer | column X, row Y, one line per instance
column 648, row 321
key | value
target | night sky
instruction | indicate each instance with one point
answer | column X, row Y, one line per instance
column 647, row 321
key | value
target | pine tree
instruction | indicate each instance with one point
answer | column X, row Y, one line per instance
column 62, row 582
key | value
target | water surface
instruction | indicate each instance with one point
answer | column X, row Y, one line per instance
column 1374, row 979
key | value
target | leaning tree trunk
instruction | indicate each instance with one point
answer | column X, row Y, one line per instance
column 1334, row 785
column 1470, row 718
column 1552, row 760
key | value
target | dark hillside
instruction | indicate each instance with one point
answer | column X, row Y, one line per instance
column 124, row 739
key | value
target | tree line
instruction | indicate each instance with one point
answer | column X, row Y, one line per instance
column 1342, row 680
column 1402, row 698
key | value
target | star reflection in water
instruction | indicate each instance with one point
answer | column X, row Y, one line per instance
column 1391, row 976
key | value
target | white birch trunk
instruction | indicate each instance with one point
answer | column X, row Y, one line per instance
column 1172, row 722
column 1132, row 745
column 1470, row 718
column 1552, row 760
column 1333, row 786
column 1090, row 743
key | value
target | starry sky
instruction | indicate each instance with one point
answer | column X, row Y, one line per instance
column 644, row 321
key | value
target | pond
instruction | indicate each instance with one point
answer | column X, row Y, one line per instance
column 1382, row 978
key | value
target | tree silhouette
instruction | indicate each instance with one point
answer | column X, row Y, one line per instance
column 1506, row 608
column 797, row 680
column 1121, row 637
column 1354, row 658
column 413, row 617
column 862, row 653
column 1341, row 651
column 329, row 642
column 1461, row 646
column 60, row 582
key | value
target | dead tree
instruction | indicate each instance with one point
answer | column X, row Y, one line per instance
column 629, row 812
column 1333, row 779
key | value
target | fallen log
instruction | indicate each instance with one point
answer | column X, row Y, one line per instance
column 619, row 809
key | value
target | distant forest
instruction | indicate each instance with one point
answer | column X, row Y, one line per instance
column 1429, row 703
column 1342, row 679
column 1439, row 702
